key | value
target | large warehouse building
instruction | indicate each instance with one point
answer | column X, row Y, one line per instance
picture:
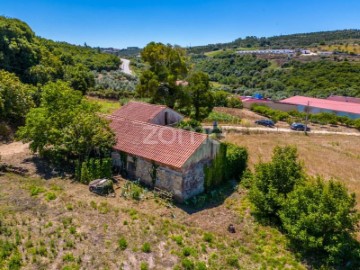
column 317, row 105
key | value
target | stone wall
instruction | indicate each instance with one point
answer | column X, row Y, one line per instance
column 193, row 180
column 184, row 183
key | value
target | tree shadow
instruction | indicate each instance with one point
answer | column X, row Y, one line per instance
column 208, row 200
column 47, row 170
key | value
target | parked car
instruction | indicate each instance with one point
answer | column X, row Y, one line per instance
column 265, row 122
column 102, row 187
column 299, row 127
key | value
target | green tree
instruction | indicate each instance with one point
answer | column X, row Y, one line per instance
column 201, row 97
column 167, row 64
column 66, row 126
column 18, row 49
column 15, row 98
column 275, row 179
column 320, row 218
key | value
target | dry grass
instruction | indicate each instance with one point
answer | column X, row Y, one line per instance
column 78, row 230
column 333, row 156
column 107, row 106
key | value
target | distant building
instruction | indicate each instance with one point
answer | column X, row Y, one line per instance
column 344, row 99
column 280, row 51
column 317, row 105
column 149, row 150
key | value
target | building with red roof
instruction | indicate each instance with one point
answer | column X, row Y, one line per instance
column 159, row 155
column 317, row 105
column 149, row 113
column 344, row 99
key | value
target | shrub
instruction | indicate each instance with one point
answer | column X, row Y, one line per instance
column 236, row 160
column 234, row 102
column 68, row 257
column 144, row 266
column 274, row 180
column 146, row 248
column 208, row 237
column 229, row 163
column 122, row 243
column 15, row 262
column 233, row 261
column 188, row 251
column 178, row 239
column 50, row 196
column 188, row 264
column 35, row 190
column 191, row 125
column 320, row 217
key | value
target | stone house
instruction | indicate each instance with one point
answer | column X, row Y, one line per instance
column 158, row 155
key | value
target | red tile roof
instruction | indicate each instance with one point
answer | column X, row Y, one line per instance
column 344, row 99
column 324, row 104
column 139, row 111
column 164, row 145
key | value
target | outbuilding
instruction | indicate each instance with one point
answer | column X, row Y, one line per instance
column 161, row 156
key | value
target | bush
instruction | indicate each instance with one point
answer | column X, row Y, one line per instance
column 274, row 180
column 188, row 264
column 93, row 169
column 236, row 159
column 188, row 251
column 50, row 196
column 229, row 163
column 320, row 217
column 68, row 257
column 233, row 261
column 144, row 266
column 191, row 125
column 146, row 248
column 122, row 243
column 274, row 115
column 234, row 102
column 208, row 237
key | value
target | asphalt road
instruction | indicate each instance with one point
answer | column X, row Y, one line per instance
column 125, row 66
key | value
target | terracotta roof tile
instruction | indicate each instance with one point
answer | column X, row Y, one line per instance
column 139, row 111
column 164, row 145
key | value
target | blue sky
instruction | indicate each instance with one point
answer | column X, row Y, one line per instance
column 111, row 23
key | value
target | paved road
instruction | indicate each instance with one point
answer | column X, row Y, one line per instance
column 125, row 66
column 283, row 130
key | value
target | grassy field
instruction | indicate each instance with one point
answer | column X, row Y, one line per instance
column 106, row 106
column 58, row 224
column 333, row 156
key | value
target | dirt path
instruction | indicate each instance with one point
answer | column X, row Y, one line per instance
column 11, row 149
column 283, row 130
column 125, row 66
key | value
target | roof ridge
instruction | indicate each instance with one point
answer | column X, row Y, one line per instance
column 155, row 125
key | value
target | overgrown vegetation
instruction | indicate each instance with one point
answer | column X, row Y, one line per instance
column 284, row 41
column 229, row 164
column 37, row 60
column 65, row 126
column 249, row 74
column 92, row 169
column 318, row 217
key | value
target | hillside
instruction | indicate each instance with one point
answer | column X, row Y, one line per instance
column 39, row 60
column 280, row 76
column 285, row 41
